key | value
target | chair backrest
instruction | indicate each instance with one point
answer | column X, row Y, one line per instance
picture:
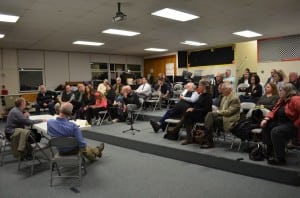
column 63, row 142
column 264, row 111
column 247, row 105
column 242, row 85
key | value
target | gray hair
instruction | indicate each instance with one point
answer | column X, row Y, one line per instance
column 66, row 109
column 228, row 85
column 290, row 89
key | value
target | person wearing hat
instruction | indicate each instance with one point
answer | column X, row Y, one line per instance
column 196, row 113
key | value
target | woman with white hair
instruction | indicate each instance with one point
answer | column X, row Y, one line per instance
column 282, row 124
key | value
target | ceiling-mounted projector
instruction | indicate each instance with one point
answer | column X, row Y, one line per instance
column 120, row 16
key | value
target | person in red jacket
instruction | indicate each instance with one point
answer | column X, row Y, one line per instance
column 282, row 124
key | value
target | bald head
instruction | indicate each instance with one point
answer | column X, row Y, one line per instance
column 66, row 109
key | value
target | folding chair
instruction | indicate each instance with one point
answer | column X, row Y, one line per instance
column 155, row 101
column 242, row 85
column 137, row 113
column 102, row 115
column 36, row 148
column 4, row 143
column 246, row 106
column 58, row 160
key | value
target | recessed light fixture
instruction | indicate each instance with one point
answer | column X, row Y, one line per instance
column 120, row 32
column 174, row 14
column 247, row 33
column 194, row 43
column 8, row 18
column 2, row 35
column 87, row 43
column 156, row 49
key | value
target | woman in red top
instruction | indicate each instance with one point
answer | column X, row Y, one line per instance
column 100, row 105
column 282, row 124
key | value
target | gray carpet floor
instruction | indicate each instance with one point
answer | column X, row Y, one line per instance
column 127, row 173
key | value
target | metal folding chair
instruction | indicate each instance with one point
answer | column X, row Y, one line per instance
column 4, row 143
column 36, row 149
column 58, row 160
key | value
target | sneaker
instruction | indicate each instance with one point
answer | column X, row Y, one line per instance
column 155, row 126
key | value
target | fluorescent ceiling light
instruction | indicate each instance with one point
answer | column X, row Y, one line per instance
column 2, row 35
column 87, row 43
column 8, row 18
column 120, row 32
column 156, row 49
column 194, row 43
column 247, row 33
column 174, row 14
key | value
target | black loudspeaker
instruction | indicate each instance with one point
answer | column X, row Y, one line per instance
column 182, row 59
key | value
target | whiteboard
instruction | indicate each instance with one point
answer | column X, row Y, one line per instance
column 170, row 69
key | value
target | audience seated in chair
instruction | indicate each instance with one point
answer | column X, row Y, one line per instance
column 102, row 87
column 94, row 109
column 67, row 95
column 45, row 99
column 144, row 90
column 88, row 99
column 18, row 118
column 253, row 92
column 228, row 77
column 77, row 102
column 118, row 86
column 270, row 98
column 295, row 80
column 131, row 100
column 225, row 117
column 282, row 124
column 245, row 79
column 162, row 88
column 187, row 99
column 196, row 113
column 62, row 127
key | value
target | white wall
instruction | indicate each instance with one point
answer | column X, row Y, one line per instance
column 58, row 67
column 264, row 69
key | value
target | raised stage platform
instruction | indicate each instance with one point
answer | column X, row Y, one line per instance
column 220, row 157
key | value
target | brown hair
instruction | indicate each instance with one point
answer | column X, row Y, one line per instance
column 19, row 101
column 274, row 89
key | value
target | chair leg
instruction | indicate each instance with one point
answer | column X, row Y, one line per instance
column 51, row 173
column 32, row 163
column 2, row 151
column 19, row 162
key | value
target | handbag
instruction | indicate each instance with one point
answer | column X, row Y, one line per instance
column 257, row 153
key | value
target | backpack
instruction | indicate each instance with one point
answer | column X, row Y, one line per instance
column 243, row 127
column 257, row 153
column 171, row 135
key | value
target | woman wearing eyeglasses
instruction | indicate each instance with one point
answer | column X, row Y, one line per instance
column 282, row 124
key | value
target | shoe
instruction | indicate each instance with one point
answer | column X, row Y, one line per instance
column 276, row 162
column 115, row 120
column 186, row 142
column 100, row 149
column 155, row 126
column 207, row 144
